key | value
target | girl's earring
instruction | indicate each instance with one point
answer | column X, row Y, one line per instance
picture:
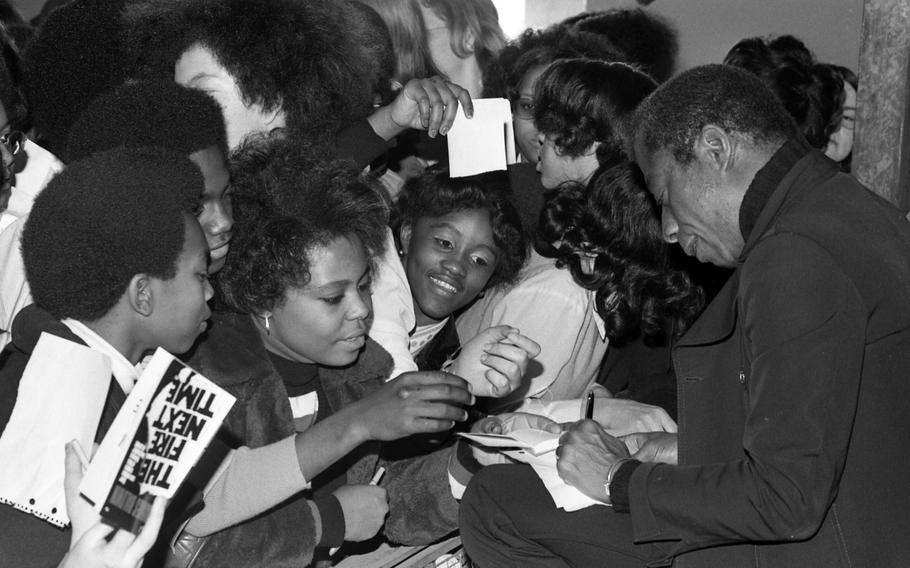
column 267, row 331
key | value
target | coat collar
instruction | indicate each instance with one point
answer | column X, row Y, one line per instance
column 794, row 168
column 808, row 167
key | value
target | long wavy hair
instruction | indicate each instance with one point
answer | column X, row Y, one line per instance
column 607, row 234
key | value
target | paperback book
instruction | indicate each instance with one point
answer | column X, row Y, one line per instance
column 164, row 426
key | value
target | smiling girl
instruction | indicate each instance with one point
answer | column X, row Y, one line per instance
column 458, row 238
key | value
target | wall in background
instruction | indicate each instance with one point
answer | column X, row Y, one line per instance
column 709, row 28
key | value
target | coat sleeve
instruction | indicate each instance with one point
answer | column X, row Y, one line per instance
column 803, row 335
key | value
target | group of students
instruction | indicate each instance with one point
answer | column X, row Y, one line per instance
column 258, row 186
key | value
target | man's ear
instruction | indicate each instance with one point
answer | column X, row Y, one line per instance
column 404, row 235
column 714, row 146
column 140, row 295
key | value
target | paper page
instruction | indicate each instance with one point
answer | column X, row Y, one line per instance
column 534, row 441
column 564, row 495
column 61, row 398
column 482, row 143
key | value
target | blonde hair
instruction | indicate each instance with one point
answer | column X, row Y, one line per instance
column 465, row 19
column 409, row 40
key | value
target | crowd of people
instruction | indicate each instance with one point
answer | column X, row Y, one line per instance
column 678, row 278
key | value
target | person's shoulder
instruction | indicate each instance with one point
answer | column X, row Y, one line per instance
column 543, row 273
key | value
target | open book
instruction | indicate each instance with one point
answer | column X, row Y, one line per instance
column 531, row 440
column 167, row 421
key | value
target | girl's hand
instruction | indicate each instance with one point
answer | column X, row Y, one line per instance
column 503, row 424
column 495, row 360
column 423, row 104
column 412, row 403
column 365, row 508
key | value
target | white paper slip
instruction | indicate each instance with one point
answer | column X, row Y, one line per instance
column 484, row 143
column 61, row 397
column 564, row 495
column 536, row 442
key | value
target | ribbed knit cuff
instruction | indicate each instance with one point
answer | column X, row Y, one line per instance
column 332, row 517
column 619, row 487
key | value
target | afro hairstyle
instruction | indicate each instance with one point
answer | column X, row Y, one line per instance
column 76, row 55
column 435, row 194
column 672, row 118
column 290, row 199
column 11, row 83
column 583, row 101
column 648, row 39
column 103, row 220
column 534, row 48
column 615, row 221
column 296, row 56
column 157, row 113
column 376, row 43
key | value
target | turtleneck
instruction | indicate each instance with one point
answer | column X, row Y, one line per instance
column 766, row 181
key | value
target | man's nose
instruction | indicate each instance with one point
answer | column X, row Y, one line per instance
column 669, row 226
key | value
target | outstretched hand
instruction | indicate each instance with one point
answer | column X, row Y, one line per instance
column 412, row 403
column 503, row 424
column 423, row 104
column 95, row 544
column 495, row 360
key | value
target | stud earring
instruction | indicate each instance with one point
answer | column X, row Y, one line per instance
column 267, row 331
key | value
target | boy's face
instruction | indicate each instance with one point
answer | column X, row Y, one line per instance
column 327, row 320
column 198, row 68
column 449, row 261
column 180, row 304
column 216, row 214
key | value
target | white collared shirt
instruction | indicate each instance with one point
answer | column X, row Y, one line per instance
column 124, row 372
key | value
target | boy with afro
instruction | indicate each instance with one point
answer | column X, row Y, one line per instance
column 117, row 262
column 159, row 114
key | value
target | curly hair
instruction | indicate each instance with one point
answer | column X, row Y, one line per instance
column 289, row 199
column 11, row 83
column 739, row 102
column 648, row 39
column 435, row 194
column 813, row 93
column 583, row 101
column 377, row 46
column 287, row 54
column 534, row 48
column 614, row 220
column 77, row 54
column 158, row 113
column 103, row 220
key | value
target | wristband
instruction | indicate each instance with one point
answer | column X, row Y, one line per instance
column 612, row 472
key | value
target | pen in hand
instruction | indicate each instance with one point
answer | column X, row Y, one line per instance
column 377, row 477
column 589, row 406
